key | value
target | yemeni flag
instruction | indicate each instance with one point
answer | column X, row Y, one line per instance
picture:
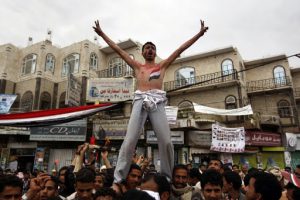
column 51, row 117
column 155, row 74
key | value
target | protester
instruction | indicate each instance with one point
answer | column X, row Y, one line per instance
column 232, row 184
column 211, row 184
column 10, row 187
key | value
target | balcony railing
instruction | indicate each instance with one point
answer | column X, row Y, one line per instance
column 204, row 80
column 297, row 92
column 116, row 72
column 267, row 84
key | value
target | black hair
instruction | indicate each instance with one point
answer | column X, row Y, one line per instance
column 194, row 173
column 10, row 180
column 136, row 195
column 179, row 166
column 162, row 182
column 220, row 161
column 251, row 171
column 235, row 165
column 106, row 191
column 85, row 175
column 55, row 180
column 62, row 169
column 211, row 176
column 234, row 178
column 134, row 166
column 267, row 185
column 146, row 44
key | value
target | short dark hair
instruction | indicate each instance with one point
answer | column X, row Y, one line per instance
column 146, row 44
column 194, row 173
column 220, row 161
column 10, row 180
column 135, row 194
column 179, row 166
column 267, row 185
column 55, row 180
column 234, row 178
column 235, row 165
column 85, row 175
column 134, row 166
column 106, row 191
column 211, row 176
column 162, row 182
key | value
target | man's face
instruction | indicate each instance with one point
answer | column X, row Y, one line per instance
column 133, row 179
column 251, row 193
column 11, row 193
column 84, row 190
column 98, row 182
column 226, row 186
column 245, row 169
column 236, row 169
column 62, row 176
column 149, row 52
column 50, row 190
column 180, row 178
column 214, row 164
column 212, row 192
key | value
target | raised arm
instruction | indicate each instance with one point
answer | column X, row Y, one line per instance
column 167, row 62
column 132, row 63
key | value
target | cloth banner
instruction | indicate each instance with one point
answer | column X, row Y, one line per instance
column 228, row 139
column 171, row 112
column 6, row 100
column 247, row 110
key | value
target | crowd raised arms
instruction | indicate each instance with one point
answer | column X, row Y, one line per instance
column 83, row 179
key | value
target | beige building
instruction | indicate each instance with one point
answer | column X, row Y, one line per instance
column 38, row 75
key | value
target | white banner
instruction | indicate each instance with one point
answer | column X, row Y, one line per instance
column 171, row 112
column 110, row 89
column 228, row 139
column 6, row 100
column 73, row 95
column 247, row 110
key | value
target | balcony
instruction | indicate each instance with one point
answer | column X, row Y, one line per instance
column 116, row 72
column 268, row 84
column 204, row 80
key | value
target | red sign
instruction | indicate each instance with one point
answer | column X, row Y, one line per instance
column 260, row 138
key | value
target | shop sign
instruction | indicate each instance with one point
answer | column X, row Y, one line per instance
column 71, row 131
column 110, row 89
column 112, row 129
column 199, row 138
column 177, row 137
column 260, row 138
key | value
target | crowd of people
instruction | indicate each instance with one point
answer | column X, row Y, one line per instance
column 82, row 181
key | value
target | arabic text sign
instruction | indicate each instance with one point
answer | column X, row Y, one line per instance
column 73, row 95
column 228, row 139
column 110, row 89
column 260, row 138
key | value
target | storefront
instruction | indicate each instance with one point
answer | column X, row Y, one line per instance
column 295, row 155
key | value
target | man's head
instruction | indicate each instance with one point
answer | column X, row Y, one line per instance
column 215, row 164
column 180, row 176
column 50, row 190
column 231, row 181
column 245, row 169
column 157, row 183
column 99, row 181
column 62, row 173
column 211, row 184
column 134, row 177
column 236, row 168
column 202, row 167
column 84, row 183
column 194, row 176
column 106, row 193
column 10, row 187
column 263, row 186
column 149, row 51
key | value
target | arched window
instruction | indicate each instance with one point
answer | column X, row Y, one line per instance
column 185, row 109
column 71, row 62
column 29, row 64
column 185, row 76
column 62, row 100
column 227, row 67
column 279, row 75
column 116, row 66
column 50, row 63
column 284, row 108
column 93, row 61
column 45, row 101
column 230, row 102
column 26, row 101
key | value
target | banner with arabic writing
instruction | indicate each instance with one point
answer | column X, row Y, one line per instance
column 228, row 139
column 110, row 89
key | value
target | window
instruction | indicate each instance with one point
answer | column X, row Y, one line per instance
column 230, row 102
column 29, row 64
column 45, row 101
column 284, row 109
column 279, row 75
column 71, row 63
column 62, row 100
column 50, row 63
column 115, row 66
column 227, row 67
column 185, row 76
column 93, row 61
column 128, row 69
column 26, row 101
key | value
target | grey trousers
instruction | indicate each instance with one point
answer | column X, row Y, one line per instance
column 161, row 128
